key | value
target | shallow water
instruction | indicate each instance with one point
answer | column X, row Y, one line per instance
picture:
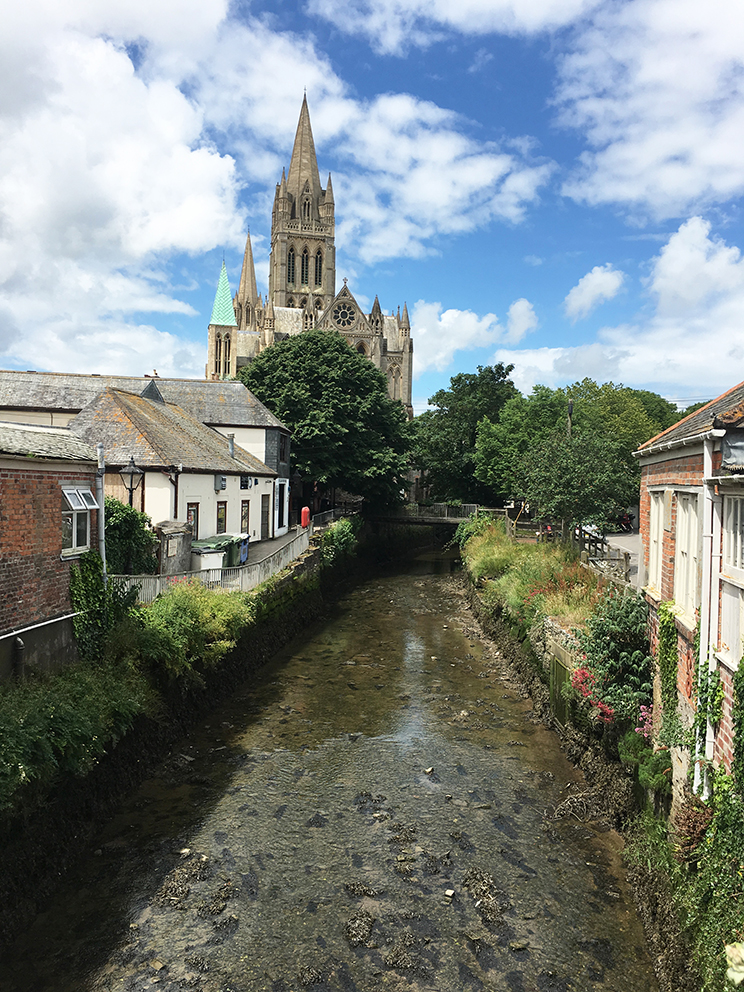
column 307, row 835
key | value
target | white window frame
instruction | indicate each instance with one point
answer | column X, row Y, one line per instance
column 687, row 541
column 77, row 518
column 732, row 625
column 655, row 540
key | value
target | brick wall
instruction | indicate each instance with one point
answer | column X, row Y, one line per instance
column 34, row 581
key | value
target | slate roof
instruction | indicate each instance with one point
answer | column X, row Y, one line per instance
column 223, row 403
column 28, row 440
column 724, row 411
column 159, row 435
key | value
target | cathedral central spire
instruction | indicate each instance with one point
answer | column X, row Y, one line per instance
column 303, row 166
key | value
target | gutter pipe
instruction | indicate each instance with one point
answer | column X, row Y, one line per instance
column 101, row 510
column 679, row 442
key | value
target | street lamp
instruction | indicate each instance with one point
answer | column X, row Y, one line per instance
column 131, row 476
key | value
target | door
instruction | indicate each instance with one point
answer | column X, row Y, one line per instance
column 265, row 510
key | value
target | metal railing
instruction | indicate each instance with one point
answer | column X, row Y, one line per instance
column 443, row 510
column 240, row 579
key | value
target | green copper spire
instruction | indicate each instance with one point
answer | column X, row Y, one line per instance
column 222, row 311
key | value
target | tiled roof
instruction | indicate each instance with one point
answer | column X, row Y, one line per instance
column 223, row 403
column 702, row 420
column 159, row 435
column 28, row 440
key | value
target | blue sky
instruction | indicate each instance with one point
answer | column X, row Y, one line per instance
column 551, row 183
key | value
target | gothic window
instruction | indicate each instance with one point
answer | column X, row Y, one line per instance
column 344, row 314
column 361, row 349
column 319, row 268
column 318, row 303
column 305, row 271
column 238, row 311
column 218, row 355
column 226, row 357
column 291, row 266
column 306, row 210
column 290, row 302
column 308, row 320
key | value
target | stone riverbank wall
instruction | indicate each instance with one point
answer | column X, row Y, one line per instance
column 612, row 795
column 39, row 843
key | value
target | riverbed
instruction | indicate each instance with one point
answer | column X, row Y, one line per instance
column 374, row 811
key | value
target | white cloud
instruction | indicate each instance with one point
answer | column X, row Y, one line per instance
column 126, row 133
column 439, row 334
column 520, row 320
column 597, row 286
column 693, row 338
column 657, row 88
column 394, row 25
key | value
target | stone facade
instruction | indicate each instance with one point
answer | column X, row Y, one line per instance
column 302, row 285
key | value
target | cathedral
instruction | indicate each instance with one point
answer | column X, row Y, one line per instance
column 302, row 285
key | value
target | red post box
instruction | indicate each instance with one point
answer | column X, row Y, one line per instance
column 305, row 516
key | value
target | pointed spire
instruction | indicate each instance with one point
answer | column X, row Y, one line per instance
column 303, row 166
column 404, row 321
column 376, row 308
column 329, row 191
column 247, row 291
column 222, row 311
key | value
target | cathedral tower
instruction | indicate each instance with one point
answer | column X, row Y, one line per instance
column 302, row 265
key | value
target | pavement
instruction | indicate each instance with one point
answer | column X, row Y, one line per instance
column 258, row 550
column 632, row 544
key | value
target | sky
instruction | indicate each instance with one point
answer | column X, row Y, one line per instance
column 552, row 184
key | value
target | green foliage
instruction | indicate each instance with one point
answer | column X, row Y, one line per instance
column 64, row 722
column 577, row 479
column 737, row 767
column 99, row 609
column 615, row 645
column 130, row 543
column 667, row 656
column 654, row 768
column 190, row 628
column 623, row 418
column 339, row 541
column 445, row 437
column 476, row 525
column 346, row 431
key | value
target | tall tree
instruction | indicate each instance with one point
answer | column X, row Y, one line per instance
column 445, row 437
column 346, row 431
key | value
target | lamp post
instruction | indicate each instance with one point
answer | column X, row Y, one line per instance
column 131, row 476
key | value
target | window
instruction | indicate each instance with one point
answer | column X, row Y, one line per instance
column 319, row 268
column 687, row 553
column 733, row 531
column 222, row 517
column 76, row 507
column 656, row 535
column 192, row 518
column 305, row 270
column 226, row 360
column 732, row 606
column 245, row 516
column 291, row 266
column 218, row 356
column 245, row 482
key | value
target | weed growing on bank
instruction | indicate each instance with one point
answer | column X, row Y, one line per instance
column 64, row 722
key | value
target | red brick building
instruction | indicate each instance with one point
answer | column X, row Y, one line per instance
column 48, row 517
column 692, row 530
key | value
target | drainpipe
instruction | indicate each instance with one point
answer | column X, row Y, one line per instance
column 101, row 510
column 710, row 736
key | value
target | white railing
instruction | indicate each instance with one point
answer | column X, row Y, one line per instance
column 228, row 579
column 440, row 510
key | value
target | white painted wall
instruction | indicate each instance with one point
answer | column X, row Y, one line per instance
column 47, row 418
column 158, row 497
column 250, row 439
column 200, row 489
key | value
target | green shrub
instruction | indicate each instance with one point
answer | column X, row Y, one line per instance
column 64, row 722
column 98, row 609
column 130, row 542
column 340, row 540
column 191, row 627
column 654, row 768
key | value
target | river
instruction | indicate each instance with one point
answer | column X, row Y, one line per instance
column 371, row 813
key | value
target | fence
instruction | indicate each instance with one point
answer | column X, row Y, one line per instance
column 443, row 510
column 228, row 579
column 599, row 555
